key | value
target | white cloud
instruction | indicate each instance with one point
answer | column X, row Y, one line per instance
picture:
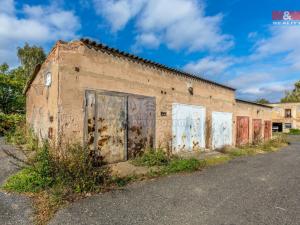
column 118, row 12
column 180, row 24
column 7, row 7
column 252, row 35
column 149, row 40
column 209, row 66
column 283, row 40
column 36, row 25
column 272, row 91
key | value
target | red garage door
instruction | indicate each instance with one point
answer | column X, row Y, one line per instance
column 268, row 130
column 257, row 130
column 242, row 132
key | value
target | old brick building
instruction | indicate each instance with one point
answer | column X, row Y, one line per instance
column 285, row 116
column 119, row 104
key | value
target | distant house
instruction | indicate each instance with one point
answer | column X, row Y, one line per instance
column 285, row 116
column 118, row 105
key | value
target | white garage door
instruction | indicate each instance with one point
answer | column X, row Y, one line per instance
column 188, row 126
column 221, row 129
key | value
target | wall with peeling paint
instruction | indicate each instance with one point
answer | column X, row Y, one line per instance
column 77, row 69
column 41, row 101
column 101, row 71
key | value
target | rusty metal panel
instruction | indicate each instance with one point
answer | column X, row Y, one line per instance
column 141, row 124
column 188, row 127
column 267, row 130
column 257, row 130
column 221, row 129
column 110, row 127
column 242, row 133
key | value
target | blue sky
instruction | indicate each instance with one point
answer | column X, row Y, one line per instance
column 232, row 42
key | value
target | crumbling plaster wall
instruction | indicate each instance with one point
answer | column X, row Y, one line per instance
column 82, row 68
column 41, row 101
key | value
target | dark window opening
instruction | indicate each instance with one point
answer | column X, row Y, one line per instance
column 277, row 127
column 288, row 113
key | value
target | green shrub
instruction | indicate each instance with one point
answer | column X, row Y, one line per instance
column 295, row 131
column 80, row 170
column 152, row 157
column 9, row 122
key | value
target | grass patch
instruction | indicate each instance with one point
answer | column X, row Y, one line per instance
column 26, row 180
column 152, row 157
column 216, row 160
column 183, row 165
column 294, row 131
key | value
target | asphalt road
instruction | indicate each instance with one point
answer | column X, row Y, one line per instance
column 14, row 209
column 260, row 190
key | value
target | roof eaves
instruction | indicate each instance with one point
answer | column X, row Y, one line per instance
column 253, row 103
column 32, row 77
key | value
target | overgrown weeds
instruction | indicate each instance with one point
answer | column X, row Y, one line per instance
column 54, row 177
column 9, row 122
column 152, row 157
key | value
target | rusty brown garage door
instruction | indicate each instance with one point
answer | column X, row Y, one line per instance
column 257, row 131
column 118, row 125
column 141, row 124
column 242, row 132
column 267, row 130
column 106, row 133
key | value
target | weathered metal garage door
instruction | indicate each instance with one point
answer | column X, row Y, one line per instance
column 257, row 130
column 242, row 132
column 119, row 126
column 106, row 116
column 188, row 125
column 221, row 129
column 141, row 124
column 267, row 130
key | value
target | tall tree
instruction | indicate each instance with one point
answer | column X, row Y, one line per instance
column 11, row 86
column 12, row 82
column 294, row 95
column 30, row 56
column 262, row 101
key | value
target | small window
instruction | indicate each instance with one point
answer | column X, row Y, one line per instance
column 288, row 126
column 288, row 113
